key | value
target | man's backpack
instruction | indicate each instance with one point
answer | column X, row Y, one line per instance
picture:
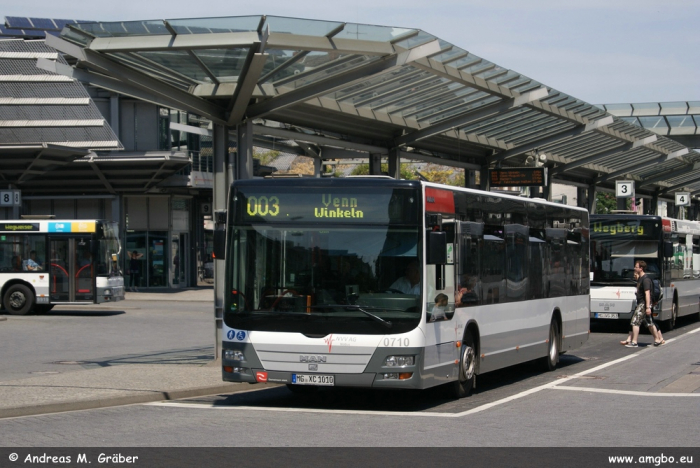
column 655, row 291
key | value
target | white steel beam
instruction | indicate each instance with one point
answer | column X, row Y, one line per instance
column 469, row 118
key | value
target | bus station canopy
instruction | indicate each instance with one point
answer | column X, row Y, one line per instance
column 344, row 90
column 51, row 133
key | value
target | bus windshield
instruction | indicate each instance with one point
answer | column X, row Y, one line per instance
column 320, row 280
column 613, row 260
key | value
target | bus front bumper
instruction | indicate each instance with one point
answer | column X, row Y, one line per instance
column 376, row 375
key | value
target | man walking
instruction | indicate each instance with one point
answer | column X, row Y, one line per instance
column 643, row 310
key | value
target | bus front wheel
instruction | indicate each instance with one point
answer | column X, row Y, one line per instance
column 18, row 300
column 670, row 324
column 467, row 368
column 552, row 358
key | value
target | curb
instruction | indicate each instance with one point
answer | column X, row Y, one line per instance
column 136, row 398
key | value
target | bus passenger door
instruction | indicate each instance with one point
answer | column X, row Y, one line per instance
column 72, row 271
column 84, row 270
column 61, row 278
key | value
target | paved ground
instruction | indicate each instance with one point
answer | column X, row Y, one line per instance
column 151, row 380
column 115, row 385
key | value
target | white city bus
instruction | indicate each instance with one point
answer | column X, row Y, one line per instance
column 44, row 262
column 671, row 250
column 310, row 292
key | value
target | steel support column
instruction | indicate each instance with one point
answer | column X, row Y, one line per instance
column 395, row 163
column 375, row 164
column 592, row 198
column 223, row 176
column 244, row 150
column 582, row 197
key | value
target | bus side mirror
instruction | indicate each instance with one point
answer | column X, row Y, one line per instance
column 219, row 244
column 668, row 249
column 220, row 234
column 436, row 250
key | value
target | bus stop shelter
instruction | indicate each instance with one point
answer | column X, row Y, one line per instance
column 335, row 90
column 344, row 90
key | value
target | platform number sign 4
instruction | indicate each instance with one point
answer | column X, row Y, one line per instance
column 624, row 189
column 683, row 199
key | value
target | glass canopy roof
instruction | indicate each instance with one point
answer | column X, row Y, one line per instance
column 388, row 88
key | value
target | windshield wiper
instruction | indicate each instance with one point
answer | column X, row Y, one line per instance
column 386, row 323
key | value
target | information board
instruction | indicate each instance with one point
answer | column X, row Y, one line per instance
column 518, row 177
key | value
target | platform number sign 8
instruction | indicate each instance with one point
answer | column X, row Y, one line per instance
column 11, row 198
column 624, row 189
column 682, row 199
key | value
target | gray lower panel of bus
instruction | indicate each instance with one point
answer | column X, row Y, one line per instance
column 372, row 377
column 117, row 294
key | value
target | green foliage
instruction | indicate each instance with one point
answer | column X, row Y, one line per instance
column 266, row 157
column 405, row 171
column 432, row 172
column 605, row 203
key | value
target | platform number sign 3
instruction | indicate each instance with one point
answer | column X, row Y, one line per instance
column 624, row 189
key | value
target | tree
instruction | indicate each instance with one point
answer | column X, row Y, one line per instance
column 605, row 203
column 266, row 157
column 405, row 172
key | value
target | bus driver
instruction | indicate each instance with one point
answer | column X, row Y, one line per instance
column 410, row 282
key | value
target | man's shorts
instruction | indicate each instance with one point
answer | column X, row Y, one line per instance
column 640, row 316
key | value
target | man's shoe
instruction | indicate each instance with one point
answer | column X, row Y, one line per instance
column 631, row 344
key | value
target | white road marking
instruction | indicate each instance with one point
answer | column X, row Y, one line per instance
column 628, row 392
column 547, row 386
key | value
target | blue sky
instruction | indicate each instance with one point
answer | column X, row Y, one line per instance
column 600, row 51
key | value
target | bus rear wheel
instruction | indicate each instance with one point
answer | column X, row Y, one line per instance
column 18, row 300
column 467, row 368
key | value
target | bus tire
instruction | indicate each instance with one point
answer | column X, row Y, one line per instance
column 18, row 300
column 467, row 368
column 670, row 324
column 41, row 309
column 550, row 361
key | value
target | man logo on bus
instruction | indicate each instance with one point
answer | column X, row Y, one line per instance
column 240, row 336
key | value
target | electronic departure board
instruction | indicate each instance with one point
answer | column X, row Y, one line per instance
column 518, row 177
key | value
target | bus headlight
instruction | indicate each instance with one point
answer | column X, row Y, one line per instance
column 108, row 292
column 399, row 361
column 233, row 355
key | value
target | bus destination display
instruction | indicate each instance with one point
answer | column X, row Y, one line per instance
column 327, row 206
